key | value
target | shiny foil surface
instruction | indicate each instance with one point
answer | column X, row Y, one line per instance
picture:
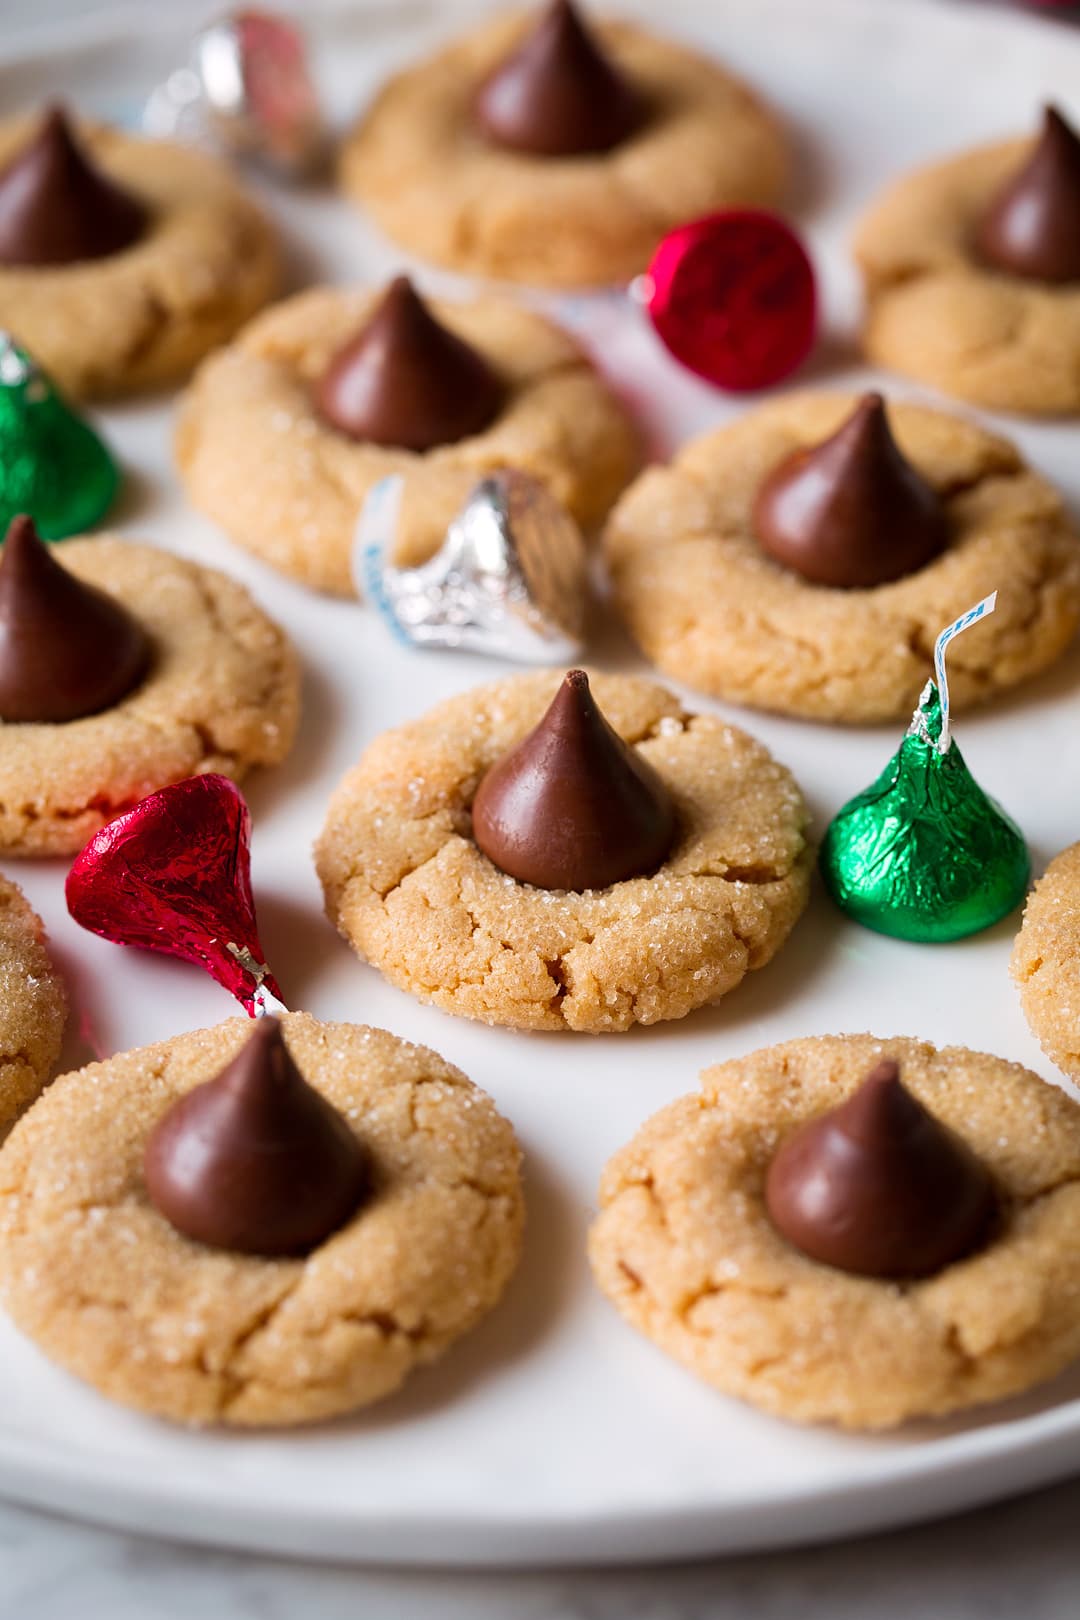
column 52, row 465
column 734, row 298
column 509, row 578
column 246, row 90
column 174, row 875
column 923, row 853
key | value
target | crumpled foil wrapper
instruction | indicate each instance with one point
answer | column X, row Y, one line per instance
column 509, row 578
column 247, row 90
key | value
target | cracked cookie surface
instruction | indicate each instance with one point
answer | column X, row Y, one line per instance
column 1046, row 961
column 684, row 1247
column 410, row 890
column 33, row 1006
column 222, row 694
column 142, row 317
column 936, row 312
column 708, row 606
column 433, row 182
column 258, row 459
column 107, row 1288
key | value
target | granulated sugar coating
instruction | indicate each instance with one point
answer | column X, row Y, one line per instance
column 708, row 606
column 33, row 1006
column 684, row 1246
column 108, row 1289
column 256, row 457
column 1046, row 961
column 134, row 320
column 408, row 887
column 222, row 694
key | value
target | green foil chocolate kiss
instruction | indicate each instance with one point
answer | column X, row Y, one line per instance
column 924, row 853
column 53, row 466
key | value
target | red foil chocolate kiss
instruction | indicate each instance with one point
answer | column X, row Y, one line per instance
column 733, row 297
column 174, row 875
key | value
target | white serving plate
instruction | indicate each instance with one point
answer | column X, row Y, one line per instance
column 554, row 1433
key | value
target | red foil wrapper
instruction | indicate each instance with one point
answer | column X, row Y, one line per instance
column 174, row 875
column 733, row 297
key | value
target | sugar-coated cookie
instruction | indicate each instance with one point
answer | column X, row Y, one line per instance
column 443, row 188
column 108, row 1288
column 711, row 608
column 33, row 1005
column 220, row 691
column 939, row 309
column 1046, row 961
column 685, row 1248
column 141, row 313
column 408, row 886
column 257, row 455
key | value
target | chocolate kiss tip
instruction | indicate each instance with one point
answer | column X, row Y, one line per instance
column 1032, row 225
column 57, row 206
column 558, row 94
column 407, row 382
column 851, row 512
column 879, row 1187
column 66, row 649
column 256, row 1160
column 573, row 806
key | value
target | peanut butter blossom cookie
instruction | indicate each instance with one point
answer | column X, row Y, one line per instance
column 972, row 271
column 258, row 1226
column 123, row 668
column 543, row 148
column 283, row 435
column 1046, row 961
column 33, row 1006
column 123, row 261
column 804, row 559
column 537, row 855
column 847, row 1230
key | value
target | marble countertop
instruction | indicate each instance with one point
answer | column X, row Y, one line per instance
column 1017, row 1558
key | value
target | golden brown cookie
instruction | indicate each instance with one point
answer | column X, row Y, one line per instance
column 33, row 1006
column 143, row 316
column 257, row 458
column 1046, row 961
column 410, row 890
column 936, row 311
column 437, row 186
column 222, row 694
column 108, row 1289
column 684, row 1247
column 710, row 608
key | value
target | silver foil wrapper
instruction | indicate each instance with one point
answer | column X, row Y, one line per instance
column 509, row 578
column 246, row 90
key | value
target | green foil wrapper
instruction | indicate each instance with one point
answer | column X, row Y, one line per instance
column 52, row 465
column 923, row 853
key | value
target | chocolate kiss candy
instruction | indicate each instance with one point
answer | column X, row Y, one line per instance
column 57, row 207
column 573, row 806
column 173, row 874
column 66, row 649
column 879, row 1186
column 256, row 1159
column 406, row 381
column 923, row 853
column 559, row 94
column 1032, row 227
column 53, row 466
column 851, row 512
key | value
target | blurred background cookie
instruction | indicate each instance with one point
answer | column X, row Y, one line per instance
column 550, row 149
